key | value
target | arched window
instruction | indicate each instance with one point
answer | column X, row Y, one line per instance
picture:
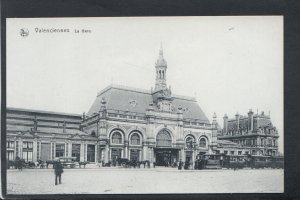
column 93, row 134
column 159, row 74
column 135, row 139
column 163, row 139
column 117, row 138
column 203, row 143
column 189, row 142
column 163, row 74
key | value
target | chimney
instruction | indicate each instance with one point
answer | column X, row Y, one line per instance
column 237, row 119
column 64, row 127
column 225, row 124
column 214, row 122
column 250, row 120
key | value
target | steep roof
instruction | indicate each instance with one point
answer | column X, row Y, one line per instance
column 137, row 100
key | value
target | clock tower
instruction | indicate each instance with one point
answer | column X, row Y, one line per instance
column 161, row 71
column 162, row 94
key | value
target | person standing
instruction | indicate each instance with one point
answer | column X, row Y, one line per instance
column 58, row 170
column 180, row 165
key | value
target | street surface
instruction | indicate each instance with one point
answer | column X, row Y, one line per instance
column 154, row 180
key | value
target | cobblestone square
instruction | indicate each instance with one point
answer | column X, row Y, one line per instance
column 137, row 181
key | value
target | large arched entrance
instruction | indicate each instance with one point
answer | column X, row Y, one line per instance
column 163, row 139
column 165, row 154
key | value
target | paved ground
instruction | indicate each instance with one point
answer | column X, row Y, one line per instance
column 154, row 180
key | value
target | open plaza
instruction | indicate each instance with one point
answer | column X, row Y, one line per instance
column 115, row 180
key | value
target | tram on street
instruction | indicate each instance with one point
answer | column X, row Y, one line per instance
column 277, row 162
column 235, row 161
column 260, row 161
column 208, row 161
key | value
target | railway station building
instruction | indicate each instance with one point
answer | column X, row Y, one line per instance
column 137, row 124
column 123, row 122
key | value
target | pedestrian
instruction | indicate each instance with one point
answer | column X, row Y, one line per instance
column 221, row 161
column 186, row 164
column 58, row 170
column 180, row 165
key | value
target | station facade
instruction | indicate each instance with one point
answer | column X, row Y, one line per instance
column 123, row 122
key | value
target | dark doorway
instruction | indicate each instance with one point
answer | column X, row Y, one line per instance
column 115, row 154
column 76, row 151
column 166, row 157
column 91, row 153
column 45, row 151
column 134, row 155
column 188, row 156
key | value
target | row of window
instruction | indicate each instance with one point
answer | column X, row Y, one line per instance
column 263, row 142
column 27, row 153
column 116, row 138
column 163, row 139
column 189, row 142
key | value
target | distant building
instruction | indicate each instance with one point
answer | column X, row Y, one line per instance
column 252, row 134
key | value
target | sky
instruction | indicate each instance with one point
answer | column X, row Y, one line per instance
column 229, row 64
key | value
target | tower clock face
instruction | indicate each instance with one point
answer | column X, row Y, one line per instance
column 166, row 92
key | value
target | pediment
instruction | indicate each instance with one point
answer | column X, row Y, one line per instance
column 76, row 136
column 26, row 134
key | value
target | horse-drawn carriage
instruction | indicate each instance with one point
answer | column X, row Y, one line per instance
column 67, row 162
column 124, row 162
column 20, row 164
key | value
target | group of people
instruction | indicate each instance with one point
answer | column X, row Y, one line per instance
column 199, row 164
column 183, row 165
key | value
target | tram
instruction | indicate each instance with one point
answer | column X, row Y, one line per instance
column 208, row 161
column 259, row 161
column 277, row 162
column 235, row 161
column 219, row 161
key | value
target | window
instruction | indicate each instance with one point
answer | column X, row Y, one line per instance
column 163, row 138
column 10, row 144
column 90, row 153
column 93, row 134
column 203, row 143
column 27, row 155
column 239, row 153
column 10, row 155
column 117, row 138
column 76, row 151
column 232, row 152
column 27, row 145
column 38, row 151
column 225, row 152
column 189, row 142
column 135, row 139
column 27, row 151
column 60, row 150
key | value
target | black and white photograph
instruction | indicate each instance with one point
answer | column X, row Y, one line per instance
column 144, row 105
